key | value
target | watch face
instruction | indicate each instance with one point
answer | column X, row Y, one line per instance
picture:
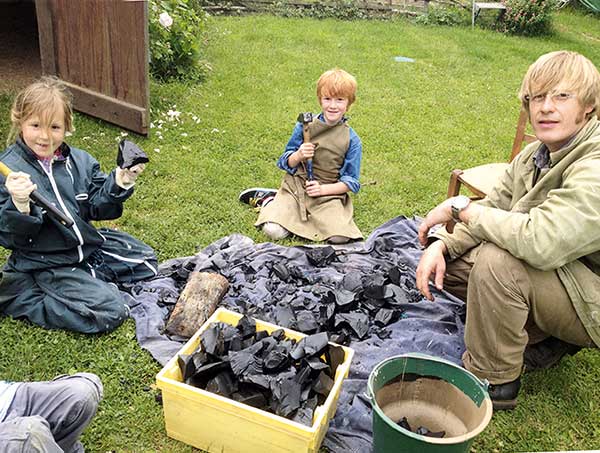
column 461, row 202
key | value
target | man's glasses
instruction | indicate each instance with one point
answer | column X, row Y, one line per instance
column 557, row 98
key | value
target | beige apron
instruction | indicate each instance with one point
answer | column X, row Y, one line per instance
column 316, row 218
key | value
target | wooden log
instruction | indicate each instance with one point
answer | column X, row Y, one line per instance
column 198, row 300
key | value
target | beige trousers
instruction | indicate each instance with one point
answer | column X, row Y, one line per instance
column 509, row 304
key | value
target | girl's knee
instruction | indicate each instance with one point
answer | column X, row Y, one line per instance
column 275, row 231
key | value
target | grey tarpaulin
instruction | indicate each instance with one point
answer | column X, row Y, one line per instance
column 432, row 328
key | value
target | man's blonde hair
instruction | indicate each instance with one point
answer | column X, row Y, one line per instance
column 46, row 98
column 576, row 72
column 337, row 83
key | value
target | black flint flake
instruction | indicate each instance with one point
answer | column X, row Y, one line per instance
column 130, row 154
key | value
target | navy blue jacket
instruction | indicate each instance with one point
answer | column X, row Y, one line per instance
column 77, row 187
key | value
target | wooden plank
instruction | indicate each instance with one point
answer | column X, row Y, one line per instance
column 46, row 36
column 100, row 48
column 110, row 109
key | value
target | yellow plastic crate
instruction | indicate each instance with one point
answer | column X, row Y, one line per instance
column 217, row 424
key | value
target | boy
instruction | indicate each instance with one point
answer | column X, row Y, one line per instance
column 317, row 209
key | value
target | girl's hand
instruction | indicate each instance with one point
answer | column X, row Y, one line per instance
column 306, row 151
column 126, row 176
column 19, row 187
column 313, row 189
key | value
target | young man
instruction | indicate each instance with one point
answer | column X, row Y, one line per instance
column 527, row 258
column 47, row 417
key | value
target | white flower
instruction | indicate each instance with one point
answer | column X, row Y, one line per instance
column 165, row 20
column 124, row 134
column 173, row 114
column 184, row 134
column 157, row 150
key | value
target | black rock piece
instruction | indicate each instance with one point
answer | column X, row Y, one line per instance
column 315, row 345
column 285, row 316
column 276, row 360
column 222, row 384
column 403, row 422
column 251, row 397
column 246, row 327
column 323, row 384
column 386, row 316
column 421, row 430
column 358, row 322
column 286, row 395
column 130, row 154
column 321, row 256
column 344, row 300
column 352, row 281
column 306, row 322
column 335, row 356
column 212, row 340
column 245, row 362
column 281, row 271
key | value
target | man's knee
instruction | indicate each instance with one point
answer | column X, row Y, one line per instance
column 494, row 264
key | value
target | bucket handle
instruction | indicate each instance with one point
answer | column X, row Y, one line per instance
column 484, row 383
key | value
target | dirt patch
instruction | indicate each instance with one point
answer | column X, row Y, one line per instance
column 19, row 52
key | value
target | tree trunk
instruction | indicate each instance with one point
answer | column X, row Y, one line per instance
column 198, row 300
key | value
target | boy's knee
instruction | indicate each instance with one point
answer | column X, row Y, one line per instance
column 275, row 231
column 81, row 394
column 338, row 240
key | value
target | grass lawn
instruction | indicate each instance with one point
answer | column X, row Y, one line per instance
column 455, row 106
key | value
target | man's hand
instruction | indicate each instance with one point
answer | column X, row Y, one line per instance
column 19, row 186
column 432, row 263
column 313, row 189
column 442, row 213
column 306, row 151
column 126, row 177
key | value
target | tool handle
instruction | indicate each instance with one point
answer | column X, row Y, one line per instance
column 309, row 170
column 41, row 201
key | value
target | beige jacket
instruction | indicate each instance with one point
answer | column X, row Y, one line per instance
column 554, row 225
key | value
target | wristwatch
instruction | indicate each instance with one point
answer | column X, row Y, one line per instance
column 459, row 203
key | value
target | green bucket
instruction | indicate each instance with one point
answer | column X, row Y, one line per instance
column 429, row 392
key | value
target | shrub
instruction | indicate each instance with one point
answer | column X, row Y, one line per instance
column 528, row 17
column 441, row 15
column 176, row 28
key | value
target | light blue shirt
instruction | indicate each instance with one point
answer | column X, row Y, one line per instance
column 7, row 393
column 350, row 171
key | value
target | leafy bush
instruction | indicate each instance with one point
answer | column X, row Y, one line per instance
column 528, row 17
column 337, row 9
column 176, row 28
column 440, row 15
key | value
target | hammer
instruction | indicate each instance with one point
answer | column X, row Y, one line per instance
column 41, row 201
column 305, row 119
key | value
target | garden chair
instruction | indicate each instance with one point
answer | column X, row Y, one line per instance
column 476, row 8
column 480, row 180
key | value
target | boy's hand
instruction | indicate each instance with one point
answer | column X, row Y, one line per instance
column 313, row 189
column 19, row 187
column 126, row 177
column 306, row 151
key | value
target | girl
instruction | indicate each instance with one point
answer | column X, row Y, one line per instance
column 56, row 276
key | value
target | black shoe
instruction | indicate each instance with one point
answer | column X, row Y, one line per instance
column 546, row 353
column 256, row 196
column 504, row 396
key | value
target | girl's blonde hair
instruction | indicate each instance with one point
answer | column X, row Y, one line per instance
column 571, row 68
column 46, row 98
column 337, row 83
